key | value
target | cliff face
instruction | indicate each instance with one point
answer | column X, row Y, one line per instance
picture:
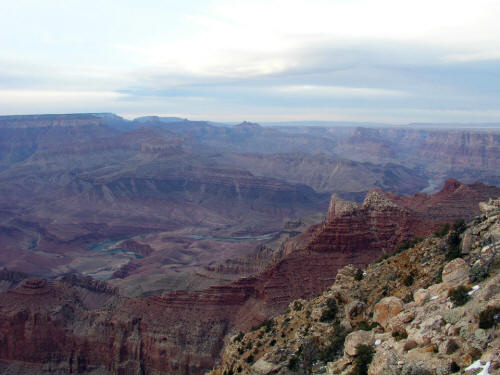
column 182, row 332
column 400, row 309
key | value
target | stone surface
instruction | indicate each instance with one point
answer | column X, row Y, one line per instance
column 456, row 272
column 386, row 309
column 355, row 338
column 421, row 296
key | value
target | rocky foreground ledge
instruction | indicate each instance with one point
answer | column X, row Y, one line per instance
column 417, row 312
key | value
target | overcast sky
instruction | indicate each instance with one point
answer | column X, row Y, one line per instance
column 339, row 60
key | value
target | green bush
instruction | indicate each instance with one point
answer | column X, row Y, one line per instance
column 363, row 359
column 358, row 276
column 453, row 246
column 459, row 226
column 239, row 337
column 443, row 230
column 297, row 306
column 335, row 348
column 293, row 363
column 478, row 273
column 268, row 324
column 331, row 311
column 408, row 280
column 489, row 317
column 459, row 296
column 365, row 326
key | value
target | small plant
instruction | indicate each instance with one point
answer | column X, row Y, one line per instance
column 454, row 367
column 239, row 369
column 268, row 324
column 297, row 306
column 459, row 296
column 365, row 326
column 459, row 226
column 443, row 230
column 239, row 337
column 363, row 359
column 358, row 276
column 249, row 359
column 489, row 317
column 408, row 298
column 331, row 311
column 273, row 342
column 453, row 246
column 478, row 273
column 408, row 280
column 335, row 348
column 293, row 363
column 399, row 335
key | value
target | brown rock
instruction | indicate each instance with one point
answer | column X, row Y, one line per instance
column 355, row 338
column 409, row 345
column 456, row 272
column 386, row 309
column 421, row 296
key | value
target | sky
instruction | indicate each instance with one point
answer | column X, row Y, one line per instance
column 393, row 61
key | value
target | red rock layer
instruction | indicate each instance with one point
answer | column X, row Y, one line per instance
column 182, row 332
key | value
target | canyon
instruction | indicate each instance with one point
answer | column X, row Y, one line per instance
column 81, row 326
column 138, row 246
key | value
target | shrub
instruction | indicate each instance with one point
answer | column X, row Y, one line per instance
column 239, row 369
column 443, row 230
column 293, row 363
column 273, row 342
column 454, row 367
column 365, row 326
column 459, row 226
column 459, row 296
column 358, row 276
column 267, row 324
column 331, row 311
column 453, row 246
column 478, row 273
column 362, row 360
column 239, row 337
column 335, row 348
column 249, row 359
column 408, row 280
column 297, row 306
column 489, row 317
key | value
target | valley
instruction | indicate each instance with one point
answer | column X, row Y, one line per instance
column 138, row 245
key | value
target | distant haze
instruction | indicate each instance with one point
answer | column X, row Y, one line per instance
column 389, row 61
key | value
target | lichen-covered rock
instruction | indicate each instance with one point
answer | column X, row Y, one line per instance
column 386, row 309
column 355, row 338
column 456, row 272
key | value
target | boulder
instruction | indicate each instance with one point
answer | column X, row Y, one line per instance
column 355, row 338
column 353, row 309
column 421, row 296
column 386, row 309
column 456, row 272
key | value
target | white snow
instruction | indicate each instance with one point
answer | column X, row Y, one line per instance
column 474, row 288
column 478, row 365
column 378, row 342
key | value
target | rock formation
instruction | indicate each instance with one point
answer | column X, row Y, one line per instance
column 395, row 330
column 87, row 327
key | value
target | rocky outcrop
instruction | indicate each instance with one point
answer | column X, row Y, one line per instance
column 425, row 336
